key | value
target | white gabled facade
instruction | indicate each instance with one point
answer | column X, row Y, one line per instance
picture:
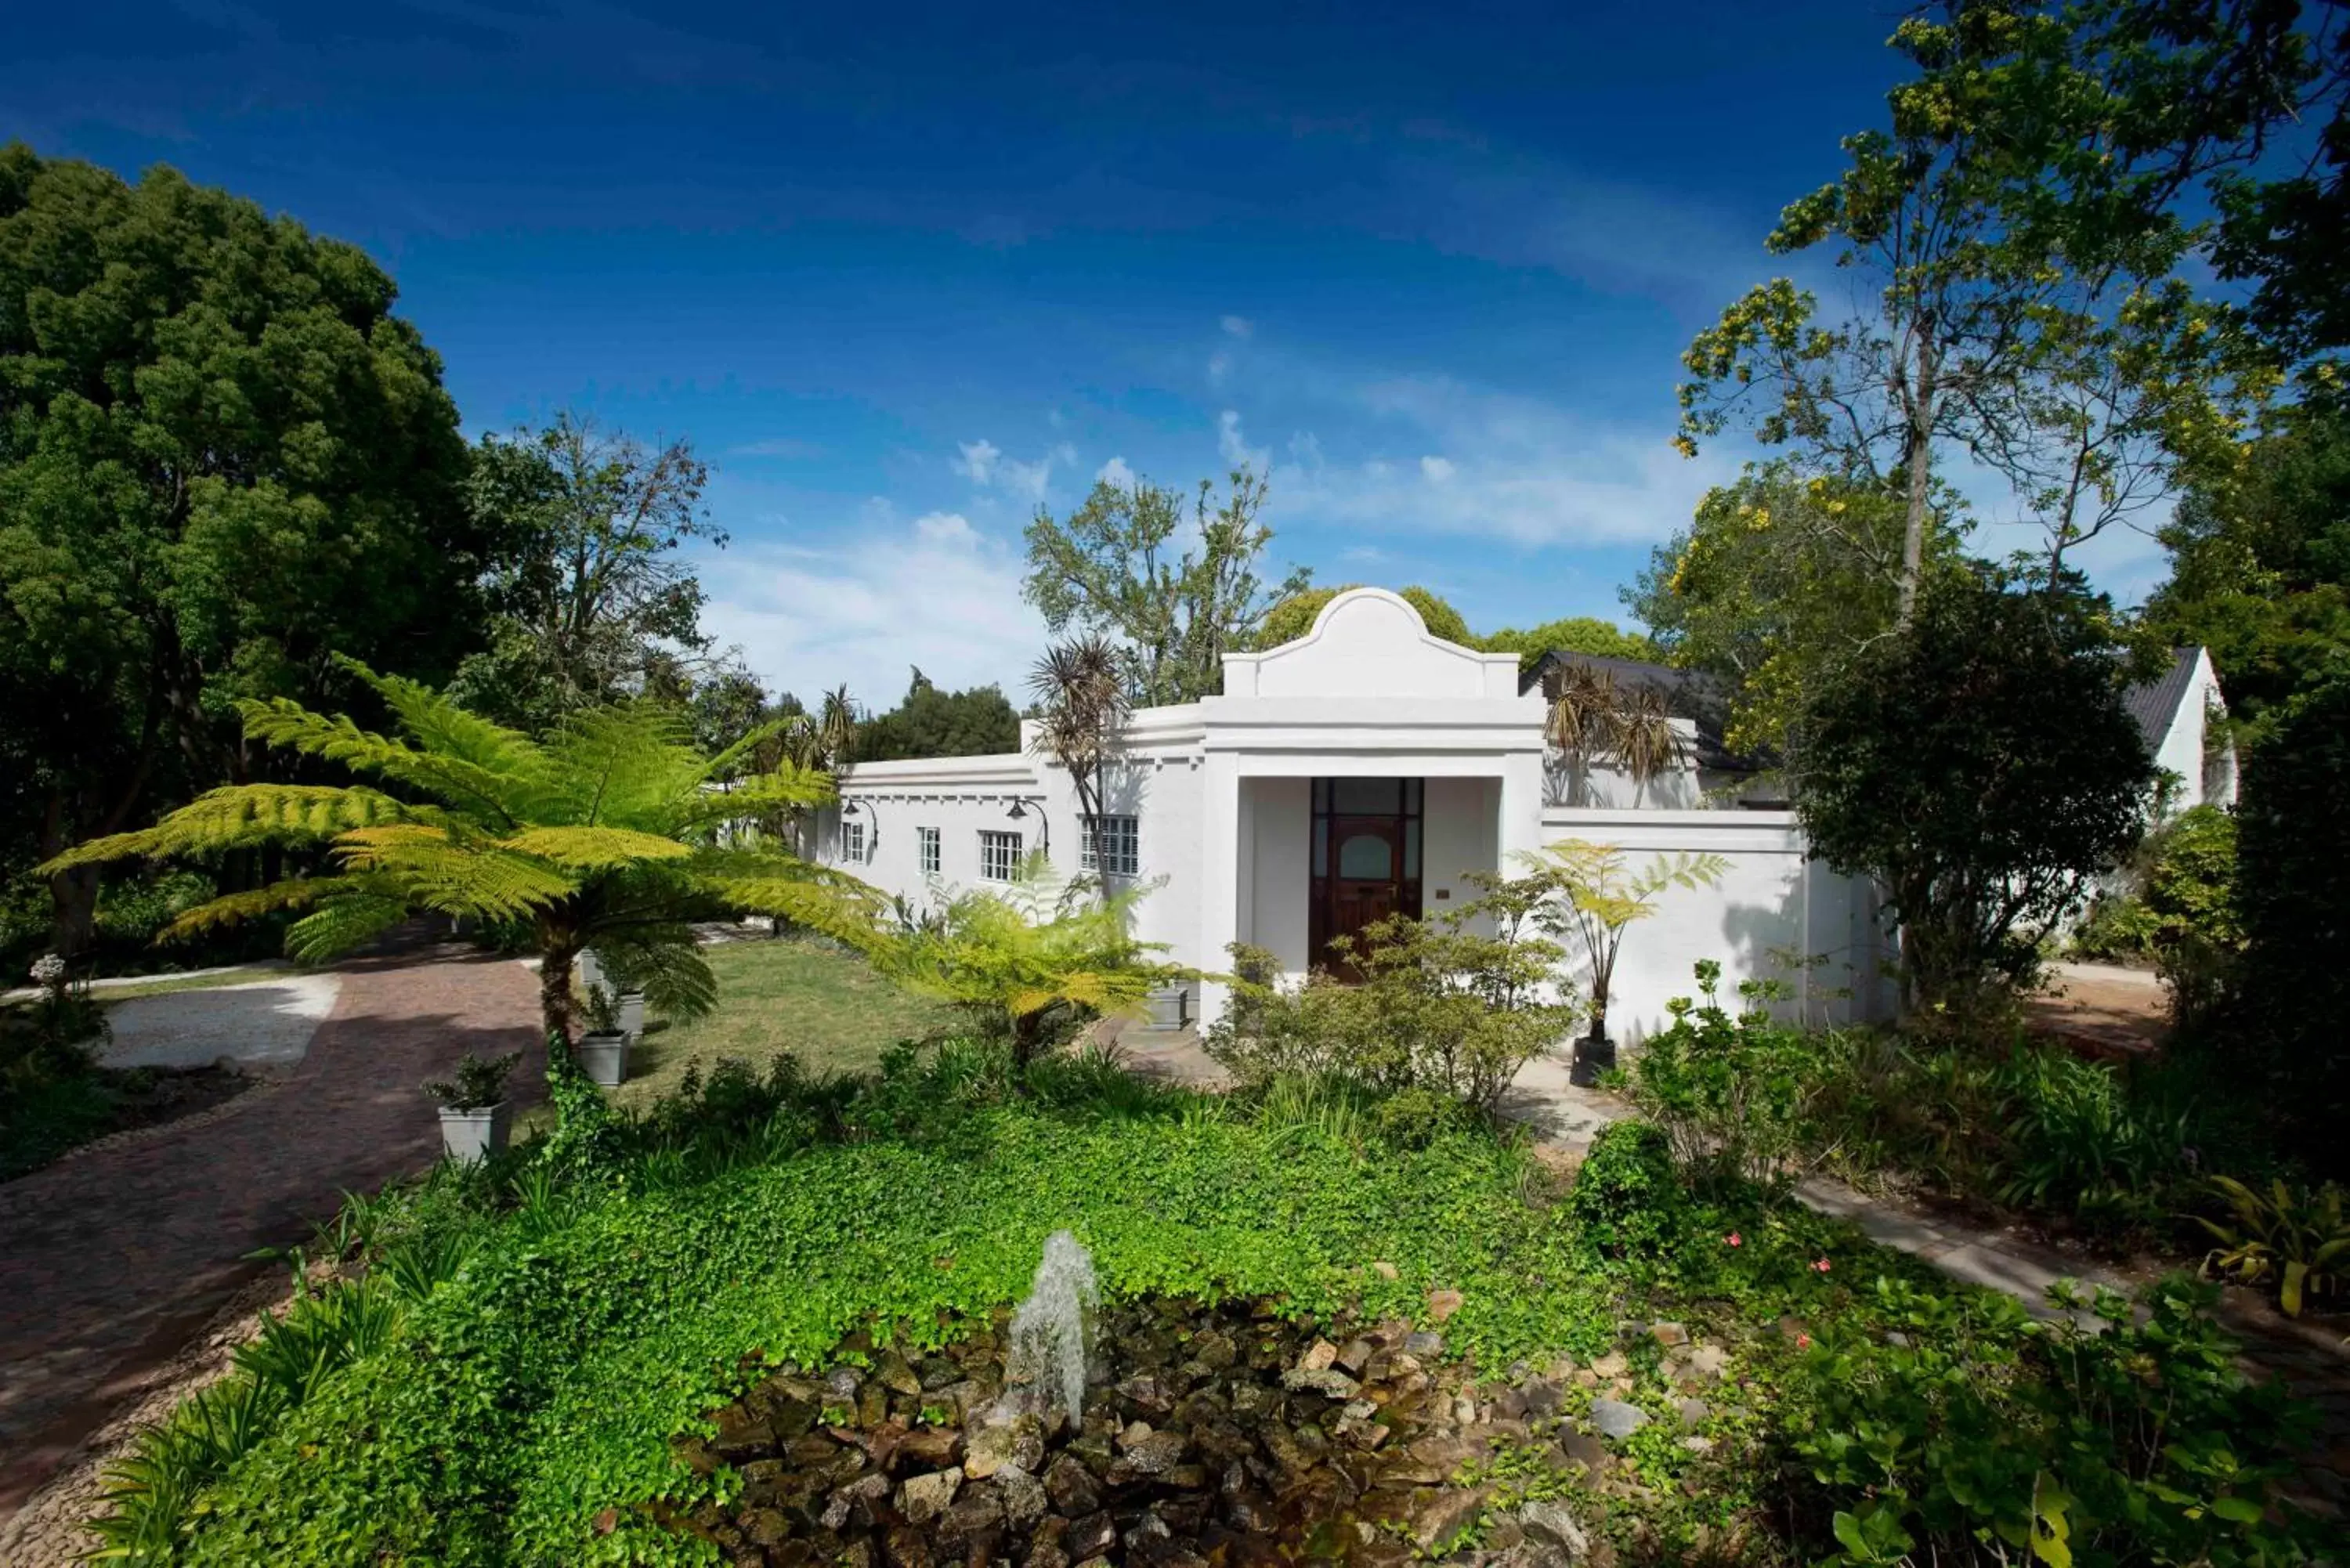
column 1265, row 815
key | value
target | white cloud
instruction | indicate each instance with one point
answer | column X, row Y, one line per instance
column 1233, row 446
column 1115, row 472
column 1219, row 365
column 978, row 461
column 983, row 464
column 1513, row 468
column 946, row 528
column 1238, row 327
column 864, row 605
column 781, row 446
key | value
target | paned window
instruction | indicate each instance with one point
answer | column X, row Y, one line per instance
column 926, row 843
column 1120, row 841
column 852, row 841
column 999, row 856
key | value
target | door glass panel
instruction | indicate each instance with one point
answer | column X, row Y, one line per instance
column 1411, row 850
column 1321, row 794
column 1366, row 797
column 1367, row 857
column 1411, row 788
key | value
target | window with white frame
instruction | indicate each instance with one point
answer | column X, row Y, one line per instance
column 852, row 840
column 999, row 856
column 926, row 845
column 1120, row 841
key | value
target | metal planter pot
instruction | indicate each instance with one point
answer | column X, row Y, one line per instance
column 471, row 1135
column 1171, row 1008
column 604, row 1058
column 1594, row 1055
column 632, row 1014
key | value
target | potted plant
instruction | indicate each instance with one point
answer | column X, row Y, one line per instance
column 596, row 970
column 1597, row 898
column 475, row 1115
column 603, row 1051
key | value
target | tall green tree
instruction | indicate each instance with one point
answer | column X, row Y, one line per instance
column 223, row 459
column 930, row 723
column 1293, row 616
column 591, row 601
column 1778, row 582
column 2259, row 569
column 1570, row 633
column 1175, row 585
column 2013, row 299
column 605, row 834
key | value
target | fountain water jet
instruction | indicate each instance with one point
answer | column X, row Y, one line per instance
column 1053, row 1332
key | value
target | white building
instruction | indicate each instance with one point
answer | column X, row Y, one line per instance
column 2175, row 713
column 1360, row 770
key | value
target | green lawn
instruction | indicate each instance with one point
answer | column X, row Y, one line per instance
column 824, row 1004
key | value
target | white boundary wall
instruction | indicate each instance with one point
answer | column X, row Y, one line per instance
column 1774, row 908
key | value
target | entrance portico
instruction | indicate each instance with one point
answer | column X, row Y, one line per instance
column 1357, row 772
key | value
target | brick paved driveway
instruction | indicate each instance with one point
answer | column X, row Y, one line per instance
column 107, row 1261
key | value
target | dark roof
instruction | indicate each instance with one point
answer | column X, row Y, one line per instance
column 1689, row 693
column 2155, row 703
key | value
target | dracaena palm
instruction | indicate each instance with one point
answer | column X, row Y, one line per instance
column 605, row 835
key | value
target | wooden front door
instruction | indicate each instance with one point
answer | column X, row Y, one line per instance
column 1365, row 862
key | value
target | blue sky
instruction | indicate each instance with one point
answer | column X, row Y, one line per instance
column 904, row 275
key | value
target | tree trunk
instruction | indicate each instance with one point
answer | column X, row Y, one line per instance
column 1921, row 463
column 554, row 1005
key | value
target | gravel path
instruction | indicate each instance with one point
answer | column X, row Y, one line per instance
column 262, row 1025
column 109, row 1262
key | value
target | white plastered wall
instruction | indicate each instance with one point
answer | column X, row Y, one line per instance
column 1776, row 914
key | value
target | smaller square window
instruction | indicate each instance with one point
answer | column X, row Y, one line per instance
column 999, row 856
column 1121, row 844
column 852, row 840
column 926, row 843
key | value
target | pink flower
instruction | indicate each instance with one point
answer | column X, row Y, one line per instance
column 1821, row 1265
column 1803, row 1342
column 1736, row 1240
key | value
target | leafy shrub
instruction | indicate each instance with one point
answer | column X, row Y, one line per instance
column 2110, row 1150
column 2075, row 1140
column 1627, row 1198
column 1729, row 1092
column 1953, row 1429
column 1442, row 1004
column 2293, row 1239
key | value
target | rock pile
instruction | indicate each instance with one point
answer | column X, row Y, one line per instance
column 1222, row 1435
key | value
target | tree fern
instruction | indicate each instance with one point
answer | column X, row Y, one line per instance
column 595, row 836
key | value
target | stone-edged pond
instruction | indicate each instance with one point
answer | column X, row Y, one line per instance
column 1222, row 1434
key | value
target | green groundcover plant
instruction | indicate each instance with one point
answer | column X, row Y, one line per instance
column 499, row 1373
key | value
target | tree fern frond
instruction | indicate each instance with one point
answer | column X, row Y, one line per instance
column 234, row 909
column 242, row 816
column 789, row 786
column 342, row 923
column 823, row 899
column 594, row 848
column 663, row 962
column 727, row 761
column 625, row 766
column 281, row 721
column 441, row 728
column 453, row 874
